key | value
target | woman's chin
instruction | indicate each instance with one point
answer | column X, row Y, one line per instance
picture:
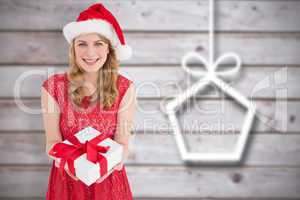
column 91, row 68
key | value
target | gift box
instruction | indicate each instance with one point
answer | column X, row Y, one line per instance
column 88, row 154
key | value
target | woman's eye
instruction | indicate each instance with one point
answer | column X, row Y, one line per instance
column 99, row 44
column 81, row 44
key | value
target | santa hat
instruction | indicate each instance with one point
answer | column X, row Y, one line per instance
column 98, row 19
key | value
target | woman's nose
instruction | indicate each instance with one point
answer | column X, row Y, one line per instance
column 91, row 51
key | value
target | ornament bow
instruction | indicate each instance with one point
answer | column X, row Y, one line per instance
column 68, row 153
column 211, row 72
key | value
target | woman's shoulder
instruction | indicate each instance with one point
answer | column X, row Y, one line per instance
column 124, row 83
column 54, row 83
column 56, row 77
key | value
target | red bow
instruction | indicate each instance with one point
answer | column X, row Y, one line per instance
column 68, row 153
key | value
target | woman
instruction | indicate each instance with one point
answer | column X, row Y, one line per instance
column 90, row 93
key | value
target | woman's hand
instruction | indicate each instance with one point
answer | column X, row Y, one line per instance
column 56, row 160
column 118, row 167
column 104, row 177
column 71, row 175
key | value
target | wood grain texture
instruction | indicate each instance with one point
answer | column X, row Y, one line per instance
column 157, row 15
column 202, row 115
column 180, row 182
column 265, row 33
column 157, row 48
column 153, row 149
column 161, row 198
column 255, row 82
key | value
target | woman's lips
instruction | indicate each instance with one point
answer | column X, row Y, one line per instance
column 90, row 62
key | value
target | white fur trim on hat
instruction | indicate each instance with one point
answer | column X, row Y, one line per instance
column 74, row 29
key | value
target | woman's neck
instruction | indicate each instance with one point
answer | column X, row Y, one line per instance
column 90, row 82
column 91, row 76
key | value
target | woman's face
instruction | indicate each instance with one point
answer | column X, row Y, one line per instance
column 90, row 52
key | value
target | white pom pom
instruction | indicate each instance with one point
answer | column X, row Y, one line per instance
column 123, row 52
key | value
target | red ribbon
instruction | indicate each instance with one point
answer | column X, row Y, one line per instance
column 68, row 153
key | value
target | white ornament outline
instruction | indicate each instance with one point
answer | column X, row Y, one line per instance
column 208, row 77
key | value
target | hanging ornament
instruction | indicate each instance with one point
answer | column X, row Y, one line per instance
column 211, row 76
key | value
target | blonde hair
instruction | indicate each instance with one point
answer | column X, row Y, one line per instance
column 107, row 90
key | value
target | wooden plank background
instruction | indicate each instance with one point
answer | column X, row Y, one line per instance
column 265, row 33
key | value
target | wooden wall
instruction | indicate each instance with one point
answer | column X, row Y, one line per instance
column 265, row 33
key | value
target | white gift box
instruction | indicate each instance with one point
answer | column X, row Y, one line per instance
column 87, row 171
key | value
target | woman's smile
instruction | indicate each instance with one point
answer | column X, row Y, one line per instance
column 91, row 61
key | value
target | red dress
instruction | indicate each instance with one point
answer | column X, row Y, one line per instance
column 116, row 185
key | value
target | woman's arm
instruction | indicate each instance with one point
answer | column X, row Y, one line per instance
column 51, row 112
column 125, row 119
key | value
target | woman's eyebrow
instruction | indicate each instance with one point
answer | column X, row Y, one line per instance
column 85, row 41
column 80, row 41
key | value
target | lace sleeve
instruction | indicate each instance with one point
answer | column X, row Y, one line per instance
column 124, row 84
column 50, row 84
